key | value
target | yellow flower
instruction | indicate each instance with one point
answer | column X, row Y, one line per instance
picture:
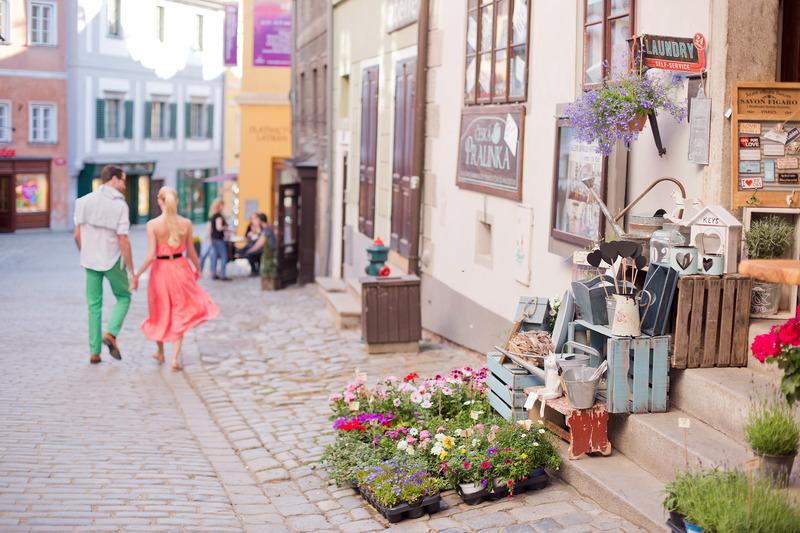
column 463, row 450
column 524, row 455
column 442, row 456
column 448, row 442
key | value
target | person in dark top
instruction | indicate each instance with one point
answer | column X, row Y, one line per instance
column 218, row 226
column 254, row 251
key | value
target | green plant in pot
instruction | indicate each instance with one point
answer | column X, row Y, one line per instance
column 774, row 435
column 269, row 267
column 769, row 237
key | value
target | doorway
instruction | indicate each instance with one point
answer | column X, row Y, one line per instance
column 287, row 222
column 7, row 211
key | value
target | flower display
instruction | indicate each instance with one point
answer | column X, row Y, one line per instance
column 781, row 345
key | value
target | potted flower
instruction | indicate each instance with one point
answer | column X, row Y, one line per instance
column 781, row 345
column 774, row 435
column 400, row 490
column 768, row 238
column 617, row 110
column 269, row 268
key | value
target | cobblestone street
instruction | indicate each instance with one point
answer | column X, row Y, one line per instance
column 231, row 444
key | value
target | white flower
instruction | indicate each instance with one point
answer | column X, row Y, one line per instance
column 437, row 449
column 439, row 437
column 413, row 432
column 541, row 431
column 426, row 404
column 426, row 397
column 525, row 423
column 447, row 391
column 416, row 397
column 402, row 445
column 475, row 442
column 450, row 379
column 535, row 443
column 410, row 450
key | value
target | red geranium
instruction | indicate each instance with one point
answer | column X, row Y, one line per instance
column 789, row 332
column 351, row 425
column 411, row 377
column 766, row 345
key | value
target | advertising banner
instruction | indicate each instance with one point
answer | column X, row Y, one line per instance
column 272, row 33
column 230, row 34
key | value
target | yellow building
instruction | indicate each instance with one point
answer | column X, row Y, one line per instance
column 265, row 123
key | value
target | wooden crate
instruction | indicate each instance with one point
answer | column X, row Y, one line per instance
column 390, row 312
column 586, row 430
column 507, row 382
column 638, row 374
column 712, row 321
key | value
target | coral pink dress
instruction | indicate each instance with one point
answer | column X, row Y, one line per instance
column 175, row 301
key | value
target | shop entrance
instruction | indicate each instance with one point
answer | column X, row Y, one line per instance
column 287, row 222
column 195, row 194
column 24, row 194
column 7, row 211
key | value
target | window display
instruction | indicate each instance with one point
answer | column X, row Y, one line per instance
column 31, row 193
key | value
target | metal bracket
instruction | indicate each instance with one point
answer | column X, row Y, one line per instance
column 656, row 134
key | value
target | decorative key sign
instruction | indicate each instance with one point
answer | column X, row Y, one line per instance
column 683, row 54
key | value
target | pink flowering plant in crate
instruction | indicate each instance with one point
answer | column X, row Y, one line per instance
column 782, row 346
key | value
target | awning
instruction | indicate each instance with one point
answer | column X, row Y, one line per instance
column 221, row 178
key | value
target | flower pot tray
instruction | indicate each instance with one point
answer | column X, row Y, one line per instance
column 586, row 430
column 537, row 480
column 404, row 511
column 675, row 523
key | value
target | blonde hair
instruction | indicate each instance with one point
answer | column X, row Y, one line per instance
column 169, row 199
column 216, row 207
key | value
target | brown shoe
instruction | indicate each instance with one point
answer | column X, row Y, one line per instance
column 94, row 359
column 111, row 343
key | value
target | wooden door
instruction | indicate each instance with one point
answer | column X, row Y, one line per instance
column 790, row 42
column 287, row 225
column 368, row 152
column 404, row 187
column 7, row 201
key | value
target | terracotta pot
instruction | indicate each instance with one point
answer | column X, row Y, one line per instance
column 776, row 468
column 637, row 124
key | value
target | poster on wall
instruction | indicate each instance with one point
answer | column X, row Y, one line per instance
column 272, row 33
column 230, row 34
column 489, row 155
column 576, row 217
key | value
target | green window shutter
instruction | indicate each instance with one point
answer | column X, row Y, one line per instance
column 100, row 120
column 173, row 120
column 128, row 119
column 210, row 124
column 187, row 119
column 148, row 111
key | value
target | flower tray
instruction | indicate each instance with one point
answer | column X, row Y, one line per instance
column 404, row 511
column 537, row 480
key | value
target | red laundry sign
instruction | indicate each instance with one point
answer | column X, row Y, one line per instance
column 682, row 54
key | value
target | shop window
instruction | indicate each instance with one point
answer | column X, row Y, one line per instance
column 5, row 33
column 160, row 23
column 143, row 193
column 608, row 24
column 42, row 127
column 31, row 192
column 497, row 51
column 5, row 122
column 198, row 33
column 42, row 23
column 114, row 18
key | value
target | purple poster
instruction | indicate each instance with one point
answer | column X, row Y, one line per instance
column 272, row 33
column 230, row 34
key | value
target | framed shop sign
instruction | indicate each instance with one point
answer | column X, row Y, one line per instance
column 764, row 147
column 682, row 54
column 575, row 216
column 490, row 150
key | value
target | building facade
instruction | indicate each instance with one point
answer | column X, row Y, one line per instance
column 33, row 115
column 147, row 98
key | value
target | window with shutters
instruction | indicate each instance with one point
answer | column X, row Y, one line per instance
column 497, row 51
column 43, row 127
column 159, row 120
column 42, row 23
column 368, row 151
column 114, row 18
column 404, row 190
column 197, row 120
column 607, row 27
column 114, row 119
column 5, row 121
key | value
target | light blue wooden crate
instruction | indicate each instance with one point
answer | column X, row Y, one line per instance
column 507, row 382
column 514, row 398
column 504, row 410
column 638, row 378
column 510, row 373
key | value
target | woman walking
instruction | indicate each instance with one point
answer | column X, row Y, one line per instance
column 175, row 302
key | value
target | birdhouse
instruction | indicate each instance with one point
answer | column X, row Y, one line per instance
column 714, row 230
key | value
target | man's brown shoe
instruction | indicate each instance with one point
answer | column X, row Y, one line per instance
column 111, row 343
column 94, row 359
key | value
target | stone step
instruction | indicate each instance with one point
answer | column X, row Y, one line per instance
column 720, row 397
column 344, row 308
column 656, row 443
column 331, row 284
column 618, row 485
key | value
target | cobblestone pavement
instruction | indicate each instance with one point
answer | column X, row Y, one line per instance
column 231, row 444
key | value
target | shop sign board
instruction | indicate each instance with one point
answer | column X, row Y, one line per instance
column 5, row 151
column 490, row 150
column 768, row 103
column 230, row 34
column 401, row 13
column 683, row 54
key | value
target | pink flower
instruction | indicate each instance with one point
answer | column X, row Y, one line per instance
column 335, row 397
column 466, row 465
column 349, row 397
column 396, row 402
column 411, row 440
column 485, row 465
column 766, row 345
column 424, row 434
column 479, row 428
column 789, row 333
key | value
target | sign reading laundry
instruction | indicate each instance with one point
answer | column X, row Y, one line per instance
column 490, row 154
column 685, row 54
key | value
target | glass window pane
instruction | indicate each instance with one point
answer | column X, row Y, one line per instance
column 45, row 24
column 500, row 73
column 473, row 3
column 620, row 7
column 593, row 53
column 518, row 60
column 485, row 75
column 519, row 22
column 501, row 29
column 594, row 11
column 31, row 193
column 472, row 32
column 620, row 51
column 469, row 82
column 486, row 28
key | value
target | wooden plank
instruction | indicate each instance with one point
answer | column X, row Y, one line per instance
column 696, row 323
column 383, row 314
column 641, row 374
column 618, row 365
column 588, row 432
column 371, row 312
column 404, row 304
column 394, row 312
column 659, row 348
column 680, row 355
column 515, row 397
column 503, row 409
column 415, row 319
column 710, row 344
column 509, row 373
column 727, row 310
column 741, row 322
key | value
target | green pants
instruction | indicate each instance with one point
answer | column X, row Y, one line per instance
column 118, row 279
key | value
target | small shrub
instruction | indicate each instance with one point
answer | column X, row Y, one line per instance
column 768, row 238
column 771, row 429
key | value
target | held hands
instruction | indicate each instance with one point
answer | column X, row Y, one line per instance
column 133, row 281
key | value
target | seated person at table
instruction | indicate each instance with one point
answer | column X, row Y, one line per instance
column 253, row 231
column 254, row 251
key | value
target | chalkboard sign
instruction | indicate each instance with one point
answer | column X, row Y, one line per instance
column 660, row 283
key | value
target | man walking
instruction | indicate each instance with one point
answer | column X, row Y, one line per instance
column 101, row 234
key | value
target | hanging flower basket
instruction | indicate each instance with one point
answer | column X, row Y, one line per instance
column 636, row 124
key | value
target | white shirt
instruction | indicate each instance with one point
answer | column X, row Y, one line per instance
column 101, row 215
